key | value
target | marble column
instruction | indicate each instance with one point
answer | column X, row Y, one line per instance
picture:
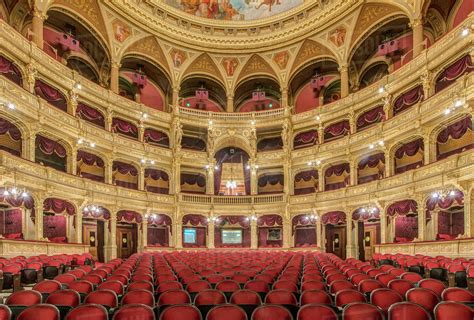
column 287, row 234
column 344, row 70
column 79, row 226
column 253, row 234
column 38, row 24
column 421, row 210
column 383, row 226
column 230, row 103
column 469, row 214
column 111, row 243
column 349, row 239
column 210, row 235
column 210, row 180
column 417, row 27
column 319, row 235
column 114, row 77
column 144, row 234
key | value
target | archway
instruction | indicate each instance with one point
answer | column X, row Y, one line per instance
column 232, row 176
column 257, row 94
column 94, row 221
column 127, row 233
column 336, row 235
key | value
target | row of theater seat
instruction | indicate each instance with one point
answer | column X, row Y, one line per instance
column 199, row 285
column 457, row 272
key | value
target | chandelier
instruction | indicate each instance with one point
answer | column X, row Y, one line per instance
column 92, row 209
column 311, row 217
column 370, row 209
column 231, row 184
column 15, row 192
column 213, row 219
column 252, row 217
column 443, row 194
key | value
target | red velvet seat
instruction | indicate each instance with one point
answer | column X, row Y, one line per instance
column 347, row 296
column 104, row 297
column 335, row 277
column 358, row 278
column 453, row 310
column 432, row 284
column 209, row 297
column 95, row 279
column 139, row 296
column 369, row 285
column 181, row 312
column 66, row 297
column 172, row 297
column 88, row 311
column 135, row 312
column 313, row 285
column 315, row 297
column 214, row 278
column 65, row 278
column 316, row 312
column 407, row 311
column 271, row 312
column 424, row 297
column 457, row 295
column 226, row 312
column 113, row 285
column 120, row 278
column 411, row 276
column 257, row 286
column 360, row 310
column 240, row 278
column 24, row 298
column 140, row 285
column 246, row 297
column 169, row 285
column 339, row 285
column 47, row 286
column 81, row 286
column 285, row 285
column 198, row 286
column 228, row 286
column 385, row 278
column 384, row 298
column 5, row 313
column 281, row 297
column 39, row 311
column 400, row 285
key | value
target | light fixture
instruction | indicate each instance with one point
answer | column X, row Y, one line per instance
column 380, row 143
column 213, row 219
column 211, row 122
column 144, row 115
column 253, row 166
column 8, row 105
column 381, row 89
column 252, row 217
column 465, row 31
column 445, row 193
column 83, row 141
column 231, row 184
column 92, row 209
column 318, row 118
column 458, row 103
column 145, row 161
column 369, row 209
column 252, row 122
column 314, row 163
column 311, row 217
column 77, row 86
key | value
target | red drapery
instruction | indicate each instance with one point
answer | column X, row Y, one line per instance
column 103, row 213
column 301, row 220
column 454, row 131
column 58, row 206
column 191, row 178
column 129, row 216
column 241, row 222
column 124, row 127
column 11, row 222
column 364, row 215
column 27, row 202
column 268, row 144
column 156, row 137
column 402, row 208
column 337, row 170
column 306, row 176
column 371, row 161
column 50, row 94
column 124, row 168
column 48, row 146
column 337, row 130
column 446, row 202
column 159, row 220
column 406, row 228
column 334, row 217
column 90, row 159
column 370, row 117
column 10, row 70
column 305, row 139
column 270, row 220
column 54, row 226
column 408, row 99
column 156, row 175
column 271, row 179
column 264, row 242
column 195, row 220
column 454, row 71
column 90, row 114
column 6, row 127
column 409, row 149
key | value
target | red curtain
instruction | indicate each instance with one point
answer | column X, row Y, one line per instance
column 454, row 131
column 11, row 221
column 334, row 217
column 89, row 159
column 408, row 99
column 403, row 207
column 10, row 70
column 241, row 222
column 158, row 236
column 195, row 220
column 457, row 223
column 58, row 206
column 371, row 161
column 305, row 139
column 54, row 226
column 6, row 127
column 156, row 174
column 156, row 137
column 124, row 127
column 50, row 94
column 409, row 149
column 129, row 216
column 301, row 220
column 370, row 117
column 337, row 130
column 27, row 202
column 364, row 215
column 272, row 179
column 306, row 176
column 444, row 222
column 90, row 114
column 337, row 170
column 49, row 147
column 454, row 71
column 406, row 227
column 445, row 203
column 270, row 220
column 268, row 144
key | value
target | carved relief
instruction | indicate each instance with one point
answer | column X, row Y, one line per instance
column 281, row 59
column 256, row 64
column 338, row 36
column 149, row 47
column 230, row 65
column 178, row 57
column 311, row 50
column 203, row 64
column 121, row 31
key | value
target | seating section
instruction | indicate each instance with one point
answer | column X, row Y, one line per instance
column 255, row 285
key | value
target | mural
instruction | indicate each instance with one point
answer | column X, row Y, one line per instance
column 234, row 9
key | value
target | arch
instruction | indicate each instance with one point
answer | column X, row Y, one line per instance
column 374, row 72
column 310, row 51
column 10, row 69
column 204, row 64
column 193, row 182
column 336, row 129
column 459, row 66
column 272, row 182
column 84, row 67
column 217, row 93
column 156, row 180
column 148, row 47
column 54, row 96
column 90, row 165
column 125, row 174
column 237, row 141
column 403, row 212
column 336, row 176
column 371, row 167
column 369, row 117
column 243, row 94
column 56, row 215
column 410, row 156
column 453, row 136
column 195, row 229
column 256, row 65
column 156, row 137
column 90, row 114
column 50, row 150
column 10, row 137
column 227, row 155
column 159, row 230
column 308, row 181
column 129, row 216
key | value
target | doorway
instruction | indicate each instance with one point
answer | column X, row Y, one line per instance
column 93, row 235
column 371, row 237
column 336, row 240
column 127, row 236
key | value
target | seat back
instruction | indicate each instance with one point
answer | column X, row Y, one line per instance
column 139, row 296
column 384, row 298
column 181, row 312
column 103, row 297
column 91, row 311
column 257, row 286
column 457, row 295
column 424, row 297
column 369, row 285
column 64, row 297
column 39, row 311
column 209, row 297
column 198, row 286
column 316, row 312
column 347, row 296
column 453, row 310
column 227, row 312
column 246, row 297
column 81, row 286
column 432, row 284
column 312, row 285
column 134, row 311
column 5, row 312
column 360, row 310
column 407, row 311
column 24, row 298
column 47, row 286
column 269, row 311
column 228, row 286
column 339, row 285
column 112, row 285
column 169, row 285
column 172, row 297
column 281, row 297
column 400, row 285
column 315, row 297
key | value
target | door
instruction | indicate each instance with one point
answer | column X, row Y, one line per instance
column 336, row 240
column 126, row 240
column 89, row 237
column 370, row 238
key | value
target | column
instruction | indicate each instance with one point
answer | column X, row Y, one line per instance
column 210, row 235
column 383, row 226
column 388, row 164
column 177, row 175
column 141, row 132
column 114, row 77
column 321, row 134
column 319, row 236
column 253, row 179
column 349, row 239
column 355, row 251
column 79, row 226
column 287, row 235
column 28, row 227
column 353, row 173
column 37, row 21
column 141, row 178
column 175, row 97
column 39, row 217
column 323, row 237
column 110, row 248
column 417, row 27
column 253, row 234
column 144, row 233
column 352, row 124
column 178, row 236
column 72, row 161
column 108, row 172
column 284, row 97
column 320, row 180
column 420, row 199
column 344, row 70
column 286, row 176
column 230, row 103
column 30, row 142
column 210, row 180
column 426, row 150
column 468, row 214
